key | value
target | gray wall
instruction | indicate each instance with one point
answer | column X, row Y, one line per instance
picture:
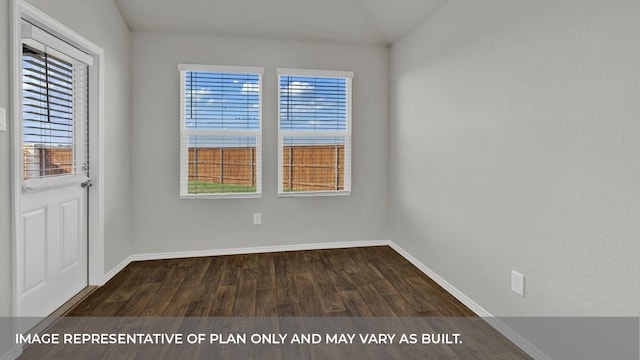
column 100, row 22
column 5, row 188
column 164, row 223
column 515, row 145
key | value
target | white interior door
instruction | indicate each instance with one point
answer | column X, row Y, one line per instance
column 53, row 236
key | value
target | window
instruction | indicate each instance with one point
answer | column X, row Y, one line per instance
column 54, row 107
column 221, row 131
column 314, row 128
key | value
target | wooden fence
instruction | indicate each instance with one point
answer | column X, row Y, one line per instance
column 305, row 167
column 42, row 161
column 313, row 167
column 233, row 165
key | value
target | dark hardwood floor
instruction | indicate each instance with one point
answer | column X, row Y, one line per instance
column 364, row 283
column 373, row 281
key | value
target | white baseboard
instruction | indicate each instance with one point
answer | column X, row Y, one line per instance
column 515, row 338
column 501, row 327
column 12, row 354
column 475, row 307
column 260, row 249
column 237, row 251
column 108, row 276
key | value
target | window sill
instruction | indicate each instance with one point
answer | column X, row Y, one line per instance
column 221, row 196
column 314, row 194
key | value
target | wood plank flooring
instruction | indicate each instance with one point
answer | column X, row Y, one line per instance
column 356, row 283
column 373, row 281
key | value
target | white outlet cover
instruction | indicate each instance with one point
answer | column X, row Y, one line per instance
column 3, row 119
column 257, row 219
column 517, row 283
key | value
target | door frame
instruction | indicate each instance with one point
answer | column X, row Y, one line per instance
column 95, row 253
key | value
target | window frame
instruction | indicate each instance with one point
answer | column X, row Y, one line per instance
column 346, row 134
column 185, row 133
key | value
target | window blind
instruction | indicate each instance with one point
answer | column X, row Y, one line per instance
column 55, row 113
column 221, row 149
column 314, row 132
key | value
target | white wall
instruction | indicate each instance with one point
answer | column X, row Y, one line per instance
column 101, row 23
column 5, row 171
column 164, row 223
column 515, row 144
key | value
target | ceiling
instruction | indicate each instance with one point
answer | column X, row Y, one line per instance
column 370, row 22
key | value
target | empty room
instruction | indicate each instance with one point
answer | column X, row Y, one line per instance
column 287, row 179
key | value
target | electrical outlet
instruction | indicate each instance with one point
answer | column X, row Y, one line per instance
column 257, row 219
column 517, row 283
column 3, row 119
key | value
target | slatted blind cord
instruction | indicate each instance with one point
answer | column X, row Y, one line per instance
column 55, row 115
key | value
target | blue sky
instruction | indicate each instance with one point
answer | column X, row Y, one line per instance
column 312, row 103
column 47, row 113
column 222, row 101
column 227, row 101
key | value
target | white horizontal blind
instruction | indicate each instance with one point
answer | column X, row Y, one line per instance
column 221, row 131
column 54, row 112
column 314, row 143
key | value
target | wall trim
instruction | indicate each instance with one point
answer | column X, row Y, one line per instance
column 467, row 301
column 113, row 272
column 12, row 354
column 259, row 249
column 238, row 251
column 501, row 327
column 516, row 339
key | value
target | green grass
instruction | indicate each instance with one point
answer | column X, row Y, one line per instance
column 203, row 187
